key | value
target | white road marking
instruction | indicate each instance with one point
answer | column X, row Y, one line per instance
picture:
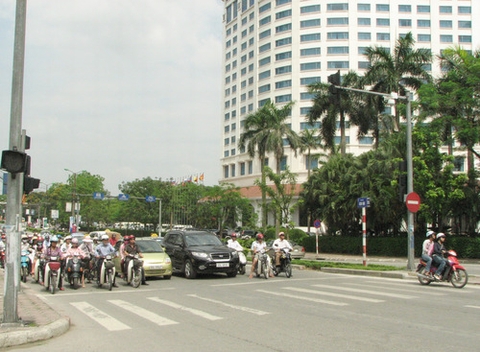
column 476, row 307
column 377, row 293
column 144, row 313
column 365, row 299
column 186, row 309
column 244, row 309
column 397, row 289
column 303, row 298
column 100, row 317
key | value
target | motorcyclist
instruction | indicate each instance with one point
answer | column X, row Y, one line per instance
column 130, row 250
column 66, row 244
column 439, row 251
column 25, row 246
column 427, row 251
column 234, row 244
column 102, row 250
column 257, row 248
column 54, row 251
column 278, row 245
column 121, row 250
column 87, row 247
column 74, row 250
column 38, row 248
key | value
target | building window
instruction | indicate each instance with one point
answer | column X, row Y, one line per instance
column 283, row 28
column 264, row 61
column 264, row 47
column 337, row 21
column 363, row 65
column 364, row 21
column 338, row 64
column 305, row 111
column 283, row 98
column 423, row 9
column 283, row 69
column 446, row 9
column 459, row 164
column 307, row 96
column 283, row 163
column 383, row 8
column 337, row 50
column 283, row 84
column 309, row 80
column 310, row 9
column 264, row 21
column 337, row 35
column 364, row 36
column 423, row 23
column 337, row 7
column 264, row 88
column 226, row 153
column 310, row 37
column 225, row 171
column 311, row 161
column 282, row 2
column 263, row 102
column 226, row 141
column 265, row 34
column 242, row 169
column 446, row 38
column 310, row 52
column 250, row 167
column 283, row 14
column 226, row 129
column 405, row 8
column 365, row 140
column 308, row 66
column 310, row 126
column 284, row 41
column 382, row 22
column 265, row 7
column 464, row 9
column 264, row 74
column 446, row 24
column 424, row 38
column 363, row 7
column 383, row 36
column 310, row 23
column 232, row 169
column 337, row 140
column 283, row 56
column 464, row 24
column 464, row 38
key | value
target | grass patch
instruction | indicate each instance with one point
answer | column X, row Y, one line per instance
column 318, row 265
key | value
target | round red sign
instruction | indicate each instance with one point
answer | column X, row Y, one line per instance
column 413, row 202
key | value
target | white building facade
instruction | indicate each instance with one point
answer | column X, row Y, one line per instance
column 274, row 48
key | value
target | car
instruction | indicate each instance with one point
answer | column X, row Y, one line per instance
column 247, row 234
column 155, row 261
column 199, row 252
column 298, row 251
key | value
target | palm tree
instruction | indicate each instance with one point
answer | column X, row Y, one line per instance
column 396, row 72
column 266, row 131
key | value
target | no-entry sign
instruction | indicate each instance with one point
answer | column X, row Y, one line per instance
column 413, row 202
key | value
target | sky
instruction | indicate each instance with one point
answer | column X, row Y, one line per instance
column 124, row 89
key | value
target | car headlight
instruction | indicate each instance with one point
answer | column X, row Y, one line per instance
column 200, row 254
column 168, row 260
column 234, row 254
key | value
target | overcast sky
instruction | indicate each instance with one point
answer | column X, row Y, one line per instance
column 124, row 89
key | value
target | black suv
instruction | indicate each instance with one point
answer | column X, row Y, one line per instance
column 199, row 252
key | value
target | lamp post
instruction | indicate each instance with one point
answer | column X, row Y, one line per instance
column 74, row 199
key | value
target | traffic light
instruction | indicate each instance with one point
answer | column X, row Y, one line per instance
column 14, row 161
column 29, row 184
column 402, row 180
column 335, row 78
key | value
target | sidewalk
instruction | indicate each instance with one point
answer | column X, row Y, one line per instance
column 38, row 320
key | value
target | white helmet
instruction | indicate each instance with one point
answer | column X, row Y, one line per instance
column 105, row 237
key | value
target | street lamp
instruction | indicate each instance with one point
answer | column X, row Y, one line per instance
column 74, row 199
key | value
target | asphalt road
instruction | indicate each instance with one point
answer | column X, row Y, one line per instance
column 311, row 311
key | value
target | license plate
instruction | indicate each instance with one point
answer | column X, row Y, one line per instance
column 155, row 267
column 223, row 265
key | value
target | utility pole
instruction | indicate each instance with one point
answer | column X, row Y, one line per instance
column 15, row 182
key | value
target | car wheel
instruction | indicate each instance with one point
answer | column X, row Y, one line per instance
column 190, row 272
column 232, row 273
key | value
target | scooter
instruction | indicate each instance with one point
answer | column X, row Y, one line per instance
column 74, row 271
column 107, row 272
column 134, row 271
column 241, row 269
column 25, row 263
column 52, row 274
column 285, row 264
column 263, row 265
column 38, row 267
column 454, row 272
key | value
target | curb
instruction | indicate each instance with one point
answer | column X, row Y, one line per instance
column 389, row 274
column 30, row 335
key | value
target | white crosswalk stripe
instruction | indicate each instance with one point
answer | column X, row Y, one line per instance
column 316, row 300
column 244, row 309
column 100, row 317
column 376, row 293
column 144, row 313
column 186, row 309
column 334, row 294
column 397, row 289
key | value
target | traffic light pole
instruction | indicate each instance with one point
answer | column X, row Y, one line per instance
column 15, row 182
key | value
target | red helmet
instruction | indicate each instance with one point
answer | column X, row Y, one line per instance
column 259, row 236
column 126, row 238
column 233, row 235
column 132, row 237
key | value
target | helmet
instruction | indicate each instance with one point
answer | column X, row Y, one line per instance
column 126, row 238
column 24, row 237
column 75, row 240
column 429, row 233
column 68, row 237
column 105, row 237
column 259, row 236
column 34, row 238
column 95, row 238
column 440, row 235
column 132, row 237
column 87, row 239
column 233, row 235
column 54, row 239
column 40, row 239
column 281, row 234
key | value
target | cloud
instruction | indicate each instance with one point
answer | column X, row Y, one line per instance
column 123, row 89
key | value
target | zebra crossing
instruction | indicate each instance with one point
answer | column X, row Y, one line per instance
column 213, row 309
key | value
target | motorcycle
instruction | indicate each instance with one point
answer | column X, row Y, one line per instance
column 2, row 258
column 25, row 263
column 263, row 265
column 454, row 272
column 241, row 269
column 52, row 274
column 107, row 272
column 74, row 271
column 285, row 264
column 38, row 267
column 134, row 271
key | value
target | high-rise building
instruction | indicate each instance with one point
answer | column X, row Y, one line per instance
column 273, row 49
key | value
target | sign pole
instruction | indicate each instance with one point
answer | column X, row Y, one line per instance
column 364, row 235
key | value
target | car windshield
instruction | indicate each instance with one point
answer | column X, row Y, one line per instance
column 202, row 240
column 150, row 246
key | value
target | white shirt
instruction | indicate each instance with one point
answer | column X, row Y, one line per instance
column 257, row 246
column 235, row 245
column 279, row 244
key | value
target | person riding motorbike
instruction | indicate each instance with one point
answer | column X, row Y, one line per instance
column 278, row 245
column 102, row 250
column 87, row 247
column 74, row 250
column 25, row 246
column 130, row 250
column 233, row 243
column 257, row 248
column 439, row 251
column 427, row 251
column 66, row 244
column 54, row 251
column 126, row 238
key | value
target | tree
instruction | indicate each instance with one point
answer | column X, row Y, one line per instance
column 264, row 132
column 405, row 68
